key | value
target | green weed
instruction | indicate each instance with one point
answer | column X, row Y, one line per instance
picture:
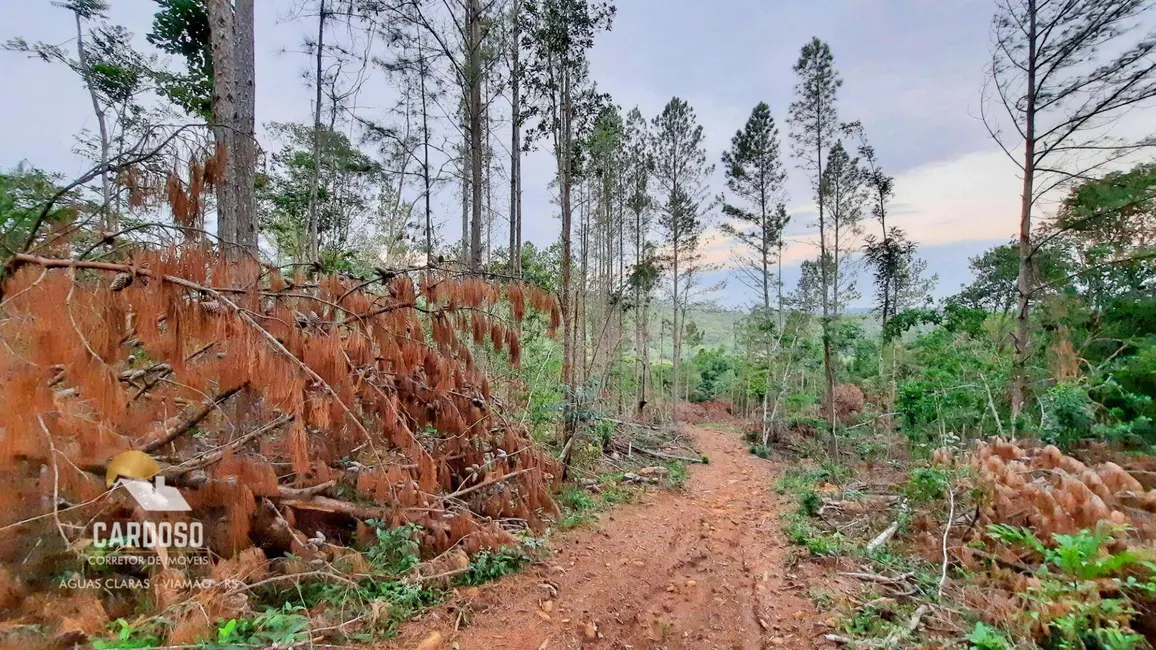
column 985, row 637
column 797, row 479
column 488, row 566
column 800, row 531
column 926, row 484
column 127, row 637
column 810, row 502
column 1068, row 602
column 278, row 627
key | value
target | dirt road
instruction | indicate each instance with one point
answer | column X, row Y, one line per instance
column 702, row 570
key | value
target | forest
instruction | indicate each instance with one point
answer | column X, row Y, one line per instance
column 356, row 398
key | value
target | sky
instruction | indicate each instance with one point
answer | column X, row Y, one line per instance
column 912, row 73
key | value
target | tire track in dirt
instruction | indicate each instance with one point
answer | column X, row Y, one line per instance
column 701, row 570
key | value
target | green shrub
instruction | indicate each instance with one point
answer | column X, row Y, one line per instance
column 1068, row 601
column 926, row 484
column 487, row 566
column 396, row 549
column 984, row 637
column 810, row 502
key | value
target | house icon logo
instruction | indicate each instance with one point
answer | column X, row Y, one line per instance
column 155, row 496
column 132, row 470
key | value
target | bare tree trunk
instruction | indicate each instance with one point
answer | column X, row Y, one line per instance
column 1023, row 279
column 828, row 364
column 314, row 247
column 108, row 221
column 426, row 191
column 487, row 166
column 474, row 54
column 515, row 143
column 224, row 119
column 246, row 133
column 675, row 337
column 562, row 150
column 779, row 281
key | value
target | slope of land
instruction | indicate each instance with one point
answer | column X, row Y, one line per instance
column 702, row 569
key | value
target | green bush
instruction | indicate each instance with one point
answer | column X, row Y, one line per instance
column 926, row 484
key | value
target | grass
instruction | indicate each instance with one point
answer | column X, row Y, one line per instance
column 580, row 506
column 797, row 480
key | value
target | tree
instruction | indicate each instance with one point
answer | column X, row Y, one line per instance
column 356, row 219
column 891, row 255
column 314, row 248
column 112, row 72
column 559, row 35
column 644, row 273
column 231, row 36
column 23, row 193
column 517, row 119
column 755, row 174
column 462, row 37
column 181, row 28
column 1062, row 71
column 809, row 295
column 421, row 90
column 843, row 189
column 813, row 121
column 681, row 174
column 996, row 273
column 897, row 273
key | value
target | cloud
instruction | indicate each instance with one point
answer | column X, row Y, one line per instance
column 970, row 197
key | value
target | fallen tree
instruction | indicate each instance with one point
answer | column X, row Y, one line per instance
column 284, row 410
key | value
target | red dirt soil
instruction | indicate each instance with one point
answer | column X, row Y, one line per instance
column 704, row 569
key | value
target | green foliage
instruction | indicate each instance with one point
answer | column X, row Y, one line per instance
column 23, row 194
column 985, row 637
column 946, row 383
column 127, row 637
column 925, row 485
column 678, row 474
column 799, row 479
column 356, row 224
column 275, row 627
column 1072, row 571
column 487, row 566
column 760, row 450
column 181, row 28
column 995, row 272
column 905, row 320
column 1082, row 556
column 809, row 503
column 802, row 532
column 396, row 549
column 1069, row 414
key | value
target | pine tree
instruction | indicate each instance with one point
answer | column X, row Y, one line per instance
column 813, row 121
column 755, row 174
column 560, row 33
column 638, row 169
column 843, row 194
column 1063, row 71
column 681, row 174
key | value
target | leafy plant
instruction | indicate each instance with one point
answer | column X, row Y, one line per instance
column 1068, row 602
column 810, row 502
column 488, row 566
column 396, row 549
column 985, row 637
column 926, row 484
column 128, row 637
column 275, row 627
